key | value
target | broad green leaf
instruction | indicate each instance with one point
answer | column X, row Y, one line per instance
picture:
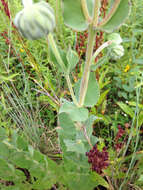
column 22, row 144
column 67, row 125
column 75, row 113
column 73, row 15
column 72, row 58
column 75, row 146
column 93, row 92
column 84, row 181
column 116, row 18
column 126, row 109
column 99, row 180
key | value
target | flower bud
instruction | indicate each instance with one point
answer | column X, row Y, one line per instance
column 36, row 20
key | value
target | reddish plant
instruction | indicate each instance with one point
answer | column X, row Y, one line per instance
column 119, row 135
column 99, row 160
column 6, row 8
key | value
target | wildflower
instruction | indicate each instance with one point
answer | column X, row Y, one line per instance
column 127, row 68
column 98, row 159
column 21, row 50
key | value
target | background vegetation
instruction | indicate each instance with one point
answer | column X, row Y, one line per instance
column 30, row 93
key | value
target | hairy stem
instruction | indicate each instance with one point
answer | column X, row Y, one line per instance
column 85, row 11
column 86, row 73
column 61, row 63
column 96, row 13
column 89, row 52
column 106, row 44
column 71, row 90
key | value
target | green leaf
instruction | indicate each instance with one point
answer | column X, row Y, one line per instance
column 140, row 118
column 126, row 109
column 2, row 133
column 115, row 19
column 88, row 124
column 54, row 60
column 102, row 97
column 67, row 125
column 75, row 146
column 76, row 180
column 73, row 15
column 99, row 180
column 75, row 113
column 72, row 58
column 93, row 92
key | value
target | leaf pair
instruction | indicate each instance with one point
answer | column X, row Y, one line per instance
column 73, row 15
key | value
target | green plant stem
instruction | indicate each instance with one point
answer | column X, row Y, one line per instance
column 103, row 46
column 89, row 52
column 61, row 63
column 85, row 11
column 56, row 52
column 86, row 73
column 71, row 90
column 96, row 13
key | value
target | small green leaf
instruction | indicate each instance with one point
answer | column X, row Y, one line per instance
column 72, row 58
column 99, row 180
column 126, row 109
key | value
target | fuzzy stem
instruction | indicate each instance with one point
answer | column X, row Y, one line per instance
column 56, row 52
column 85, row 11
column 61, row 63
column 86, row 73
column 71, row 90
column 96, row 13
column 103, row 46
column 90, row 46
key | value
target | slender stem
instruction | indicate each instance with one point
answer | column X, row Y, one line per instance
column 56, row 52
column 96, row 12
column 85, row 11
column 86, row 73
column 71, row 89
column 106, row 44
column 61, row 63
column 91, row 41
column 86, row 136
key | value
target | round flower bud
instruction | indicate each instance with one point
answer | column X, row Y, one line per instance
column 115, row 38
column 36, row 20
column 116, row 52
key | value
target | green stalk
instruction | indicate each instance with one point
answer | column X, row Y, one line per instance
column 85, row 11
column 56, row 52
column 96, row 13
column 61, row 63
column 86, row 73
column 90, row 46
